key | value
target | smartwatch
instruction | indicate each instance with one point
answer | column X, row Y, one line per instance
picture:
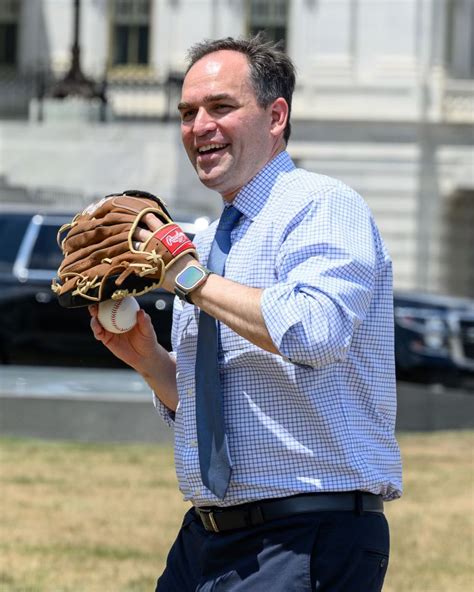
column 188, row 280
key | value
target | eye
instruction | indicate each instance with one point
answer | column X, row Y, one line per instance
column 187, row 115
column 223, row 108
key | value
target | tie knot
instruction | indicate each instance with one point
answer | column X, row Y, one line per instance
column 229, row 218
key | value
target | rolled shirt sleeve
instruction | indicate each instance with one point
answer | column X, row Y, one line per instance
column 326, row 272
column 166, row 414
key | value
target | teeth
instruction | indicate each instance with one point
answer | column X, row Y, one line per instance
column 210, row 147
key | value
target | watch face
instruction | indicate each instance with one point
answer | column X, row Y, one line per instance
column 189, row 277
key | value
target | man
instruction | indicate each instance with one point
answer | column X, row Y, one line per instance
column 287, row 472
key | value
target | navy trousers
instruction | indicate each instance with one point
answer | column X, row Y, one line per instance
column 323, row 552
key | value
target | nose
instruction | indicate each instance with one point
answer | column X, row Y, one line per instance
column 203, row 122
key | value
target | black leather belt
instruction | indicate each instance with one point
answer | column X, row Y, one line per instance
column 215, row 519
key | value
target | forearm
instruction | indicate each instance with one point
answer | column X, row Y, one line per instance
column 139, row 348
column 237, row 306
column 160, row 374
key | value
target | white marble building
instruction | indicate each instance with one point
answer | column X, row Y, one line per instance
column 384, row 101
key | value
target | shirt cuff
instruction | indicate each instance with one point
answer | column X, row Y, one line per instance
column 166, row 414
column 306, row 330
column 275, row 300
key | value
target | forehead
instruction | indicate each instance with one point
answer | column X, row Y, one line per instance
column 216, row 73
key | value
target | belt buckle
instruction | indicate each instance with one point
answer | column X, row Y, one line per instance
column 208, row 519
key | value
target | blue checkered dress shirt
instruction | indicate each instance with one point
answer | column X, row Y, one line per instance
column 320, row 417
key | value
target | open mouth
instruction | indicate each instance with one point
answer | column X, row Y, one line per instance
column 210, row 149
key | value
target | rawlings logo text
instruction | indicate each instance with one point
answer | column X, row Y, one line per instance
column 174, row 239
column 177, row 237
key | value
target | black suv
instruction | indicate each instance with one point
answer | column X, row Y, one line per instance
column 434, row 338
column 34, row 328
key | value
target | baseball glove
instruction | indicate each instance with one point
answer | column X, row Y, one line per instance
column 100, row 259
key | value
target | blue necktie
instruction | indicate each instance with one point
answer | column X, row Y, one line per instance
column 214, row 458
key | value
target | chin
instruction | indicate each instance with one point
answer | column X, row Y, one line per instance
column 211, row 184
column 209, row 179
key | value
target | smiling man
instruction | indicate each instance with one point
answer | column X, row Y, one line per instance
column 227, row 135
column 281, row 387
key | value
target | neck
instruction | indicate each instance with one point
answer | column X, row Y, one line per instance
column 229, row 197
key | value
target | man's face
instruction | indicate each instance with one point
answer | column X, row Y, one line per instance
column 227, row 136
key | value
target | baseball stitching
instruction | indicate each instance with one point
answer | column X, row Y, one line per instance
column 114, row 312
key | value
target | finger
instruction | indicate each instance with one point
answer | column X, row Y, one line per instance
column 152, row 222
column 93, row 310
column 97, row 329
column 143, row 319
column 144, row 323
column 141, row 235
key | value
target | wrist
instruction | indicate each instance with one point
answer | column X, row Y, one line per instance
column 148, row 366
column 189, row 280
column 175, row 269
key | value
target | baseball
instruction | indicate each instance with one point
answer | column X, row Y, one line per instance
column 118, row 316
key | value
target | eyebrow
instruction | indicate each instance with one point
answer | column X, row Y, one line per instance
column 206, row 100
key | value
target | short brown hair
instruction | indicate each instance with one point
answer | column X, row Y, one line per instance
column 272, row 73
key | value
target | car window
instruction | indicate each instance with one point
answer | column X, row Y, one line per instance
column 12, row 231
column 46, row 253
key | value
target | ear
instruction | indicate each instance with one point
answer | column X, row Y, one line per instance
column 279, row 116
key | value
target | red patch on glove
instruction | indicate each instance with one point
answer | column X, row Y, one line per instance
column 174, row 239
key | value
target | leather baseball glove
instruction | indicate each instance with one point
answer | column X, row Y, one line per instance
column 100, row 259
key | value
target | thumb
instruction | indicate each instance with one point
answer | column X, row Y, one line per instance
column 144, row 323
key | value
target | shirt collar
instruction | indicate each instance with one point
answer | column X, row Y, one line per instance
column 252, row 197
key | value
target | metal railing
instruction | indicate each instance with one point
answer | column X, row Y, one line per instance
column 129, row 95
column 135, row 94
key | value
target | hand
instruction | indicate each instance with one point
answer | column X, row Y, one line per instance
column 142, row 235
column 138, row 347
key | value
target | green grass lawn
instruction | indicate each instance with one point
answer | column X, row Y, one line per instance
column 89, row 517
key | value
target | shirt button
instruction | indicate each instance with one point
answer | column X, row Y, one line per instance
column 196, row 493
column 189, row 392
column 193, row 443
